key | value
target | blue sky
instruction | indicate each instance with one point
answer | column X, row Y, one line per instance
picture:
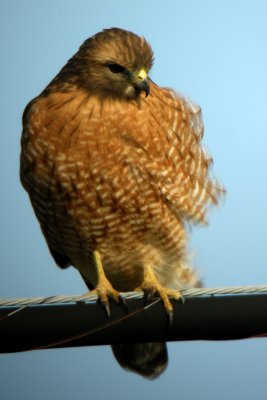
column 213, row 51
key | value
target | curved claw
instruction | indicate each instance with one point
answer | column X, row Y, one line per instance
column 105, row 294
column 123, row 303
column 151, row 286
column 105, row 304
column 170, row 317
column 104, row 290
column 148, row 295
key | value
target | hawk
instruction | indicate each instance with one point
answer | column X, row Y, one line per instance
column 115, row 169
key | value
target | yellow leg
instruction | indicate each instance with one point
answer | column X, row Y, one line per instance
column 104, row 290
column 151, row 286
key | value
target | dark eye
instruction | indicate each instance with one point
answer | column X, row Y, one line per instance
column 116, row 68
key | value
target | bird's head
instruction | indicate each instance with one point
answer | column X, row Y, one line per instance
column 113, row 63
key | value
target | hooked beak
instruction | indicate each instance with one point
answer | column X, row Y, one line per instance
column 143, row 81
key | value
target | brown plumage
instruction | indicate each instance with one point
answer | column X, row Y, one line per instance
column 114, row 168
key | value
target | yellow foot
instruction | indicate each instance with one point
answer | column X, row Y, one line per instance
column 151, row 287
column 104, row 290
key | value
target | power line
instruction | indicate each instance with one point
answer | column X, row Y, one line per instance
column 69, row 321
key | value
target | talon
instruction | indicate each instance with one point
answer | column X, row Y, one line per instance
column 148, row 295
column 182, row 300
column 123, row 303
column 106, row 306
column 170, row 318
column 102, row 298
column 104, row 290
column 151, row 285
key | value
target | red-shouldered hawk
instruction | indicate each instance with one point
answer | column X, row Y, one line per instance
column 114, row 168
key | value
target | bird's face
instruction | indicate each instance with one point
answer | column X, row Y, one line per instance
column 123, row 82
column 115, row 63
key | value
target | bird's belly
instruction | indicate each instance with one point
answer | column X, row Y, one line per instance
column 126, row 247
column 129, row 227
column 123, row 257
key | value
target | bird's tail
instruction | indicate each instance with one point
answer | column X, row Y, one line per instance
column 146, row 359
